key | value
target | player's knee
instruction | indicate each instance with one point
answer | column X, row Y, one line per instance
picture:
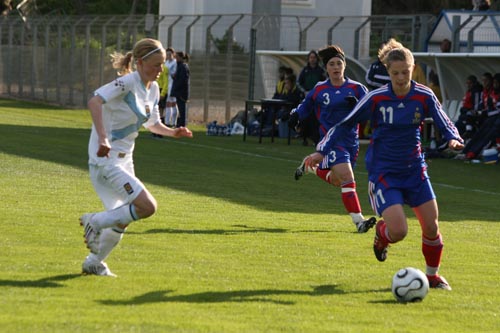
column 430, row 231
column 146, row 208
column 398, row 234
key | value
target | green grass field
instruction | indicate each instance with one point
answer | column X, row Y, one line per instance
column 237, row 245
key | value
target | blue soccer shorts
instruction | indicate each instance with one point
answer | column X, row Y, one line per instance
column 413, row 189
column 339, row 155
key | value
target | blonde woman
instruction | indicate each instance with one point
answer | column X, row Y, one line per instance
column 118, row 110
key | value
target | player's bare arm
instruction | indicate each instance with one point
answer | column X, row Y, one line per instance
column 95, row 107
column 178, row 132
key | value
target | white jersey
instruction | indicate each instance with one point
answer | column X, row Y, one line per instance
column 127, row 106
column 172, row 68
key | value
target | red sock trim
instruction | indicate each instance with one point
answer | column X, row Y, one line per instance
column 432, row 249
column 350, row 198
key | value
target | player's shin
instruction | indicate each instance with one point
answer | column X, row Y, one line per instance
column 432, row 250
column 122, row 215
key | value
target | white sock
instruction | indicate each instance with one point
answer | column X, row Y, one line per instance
column 108, row 240
column 171, row 115
column 431, row 270
column 110, row 218
column 357, row 217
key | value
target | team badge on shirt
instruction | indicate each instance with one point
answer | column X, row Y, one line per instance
column 128, row 188
column 418, row 117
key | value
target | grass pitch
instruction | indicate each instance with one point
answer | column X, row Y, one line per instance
column 237, row 245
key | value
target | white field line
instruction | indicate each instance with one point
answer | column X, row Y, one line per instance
column 458, row 188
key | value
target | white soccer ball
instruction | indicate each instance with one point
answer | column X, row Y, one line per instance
column 409, row 285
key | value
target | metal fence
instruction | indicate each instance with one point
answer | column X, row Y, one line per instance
column 63, row 59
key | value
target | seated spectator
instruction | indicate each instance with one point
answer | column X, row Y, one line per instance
column 470, row 106
column 488, row 133
column 292, row 95
column 474, row 118
column 418, row 74
column 434, row 85
column 486, row 99
column 283, row 72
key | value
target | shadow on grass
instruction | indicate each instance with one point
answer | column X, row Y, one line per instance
column 243, row 230
column 226, row 170
column 49, row 282
column 264, row 295
column 198, row 168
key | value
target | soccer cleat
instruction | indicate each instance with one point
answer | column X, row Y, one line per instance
column 92, row 268
column 379, row 245
column 438, row 282
column 90, row 233
column 366, row 225
column 302, row 170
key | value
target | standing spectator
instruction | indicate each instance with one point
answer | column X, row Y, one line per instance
column 181, row 86
column 310, row 74
column 171, row 111
column 397, row 171
column 118, row 110
column 376, row 75
column 162, row 80
column 331, row 101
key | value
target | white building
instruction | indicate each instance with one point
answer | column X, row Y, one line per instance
column 315, row 17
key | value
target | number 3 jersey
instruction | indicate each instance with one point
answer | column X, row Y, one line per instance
column 330, row 106
column 395, row 145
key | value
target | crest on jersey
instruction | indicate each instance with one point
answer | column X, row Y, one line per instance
column 128, row 188
column 418, row 117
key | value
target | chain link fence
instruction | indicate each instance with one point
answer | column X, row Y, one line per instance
column 63, row 59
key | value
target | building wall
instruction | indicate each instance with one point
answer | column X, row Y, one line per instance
column 284, row 17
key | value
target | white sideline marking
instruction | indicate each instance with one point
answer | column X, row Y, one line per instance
column 458, row 188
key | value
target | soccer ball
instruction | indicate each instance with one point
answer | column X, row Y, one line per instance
column 409, row 285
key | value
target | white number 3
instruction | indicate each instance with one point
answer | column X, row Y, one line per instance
column 326, row 100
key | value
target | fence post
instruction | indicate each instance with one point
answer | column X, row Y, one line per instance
column 206, row 82
column 59, row 60
column 330, row 30
column 229, row 66
column 356, row 38
column 34, row 57
column 103, row 50
column 253, row 50
column 170, row 29
column 455, row 33
column 470, row 34
column 303, row 34
column 188, row 34
column 86, row 61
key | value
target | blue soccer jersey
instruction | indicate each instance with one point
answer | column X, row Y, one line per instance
column 330, row 106
column 395, row 145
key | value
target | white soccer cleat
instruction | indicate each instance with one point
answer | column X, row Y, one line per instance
column 303, row 170
column 92, row 268
column 90, row 233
